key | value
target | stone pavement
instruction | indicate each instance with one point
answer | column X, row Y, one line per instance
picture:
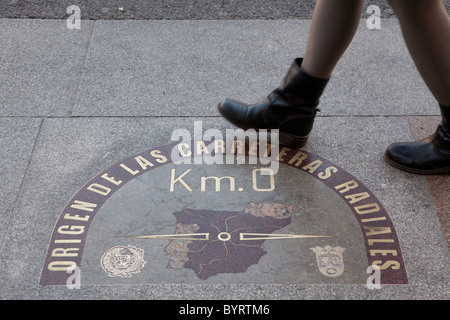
column 86, row 118
column 171, row 9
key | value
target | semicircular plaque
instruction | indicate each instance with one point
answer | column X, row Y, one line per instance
column 149, row 220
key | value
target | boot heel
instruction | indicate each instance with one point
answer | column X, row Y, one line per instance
column 292, row 141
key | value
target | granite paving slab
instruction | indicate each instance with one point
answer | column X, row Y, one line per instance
column 17, row 137
column 42, row 61
column 182, row 68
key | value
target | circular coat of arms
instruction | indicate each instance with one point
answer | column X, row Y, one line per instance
column 121, row 261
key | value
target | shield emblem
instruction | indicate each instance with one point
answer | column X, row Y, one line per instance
column 330, row 260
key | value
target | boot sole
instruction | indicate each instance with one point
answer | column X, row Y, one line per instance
column 413, row 170
column 284, row 137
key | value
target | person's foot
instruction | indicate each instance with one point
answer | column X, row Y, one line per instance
column 428, row 156
column 291, row 108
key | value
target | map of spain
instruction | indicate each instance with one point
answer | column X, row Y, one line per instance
column 223, row 241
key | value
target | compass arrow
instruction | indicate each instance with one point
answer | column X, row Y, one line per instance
column 186, row 236
column 269, row 236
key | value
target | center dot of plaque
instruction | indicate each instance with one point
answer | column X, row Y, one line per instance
column 224, row 236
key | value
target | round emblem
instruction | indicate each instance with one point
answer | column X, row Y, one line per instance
column 121, row 261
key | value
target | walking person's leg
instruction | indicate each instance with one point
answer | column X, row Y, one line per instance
column 291, row 108
column 425, row 26
column 333, row 26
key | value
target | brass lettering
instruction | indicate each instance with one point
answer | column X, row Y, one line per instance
column 111, row 179
column 84, row 206
column 61, row 266
column 373, row 241
column 183, row 152
column 219, row 145
column 100, row 189
column 65, row 252
column 271, row 180
column 328, row 172
column 298, row 158
column 347, row 186
column 377, row 230
column 383, row 252
column 367, row 208
column 77, row 217
column 201, row 147
column 357, row 197
column 283, row 152
column 268, row 150
column 395, row 265
column 313, row 166
column 373, row 219
column 133, row 172
column 253, row 148
column 158, row 156
column 144, row 163
column 71, row 229
column 217, row 180
column 237, row 146
column 68, row 241
column 179, row 179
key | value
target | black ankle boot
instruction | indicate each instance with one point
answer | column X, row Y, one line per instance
column 290, row 108
column 428, row 156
